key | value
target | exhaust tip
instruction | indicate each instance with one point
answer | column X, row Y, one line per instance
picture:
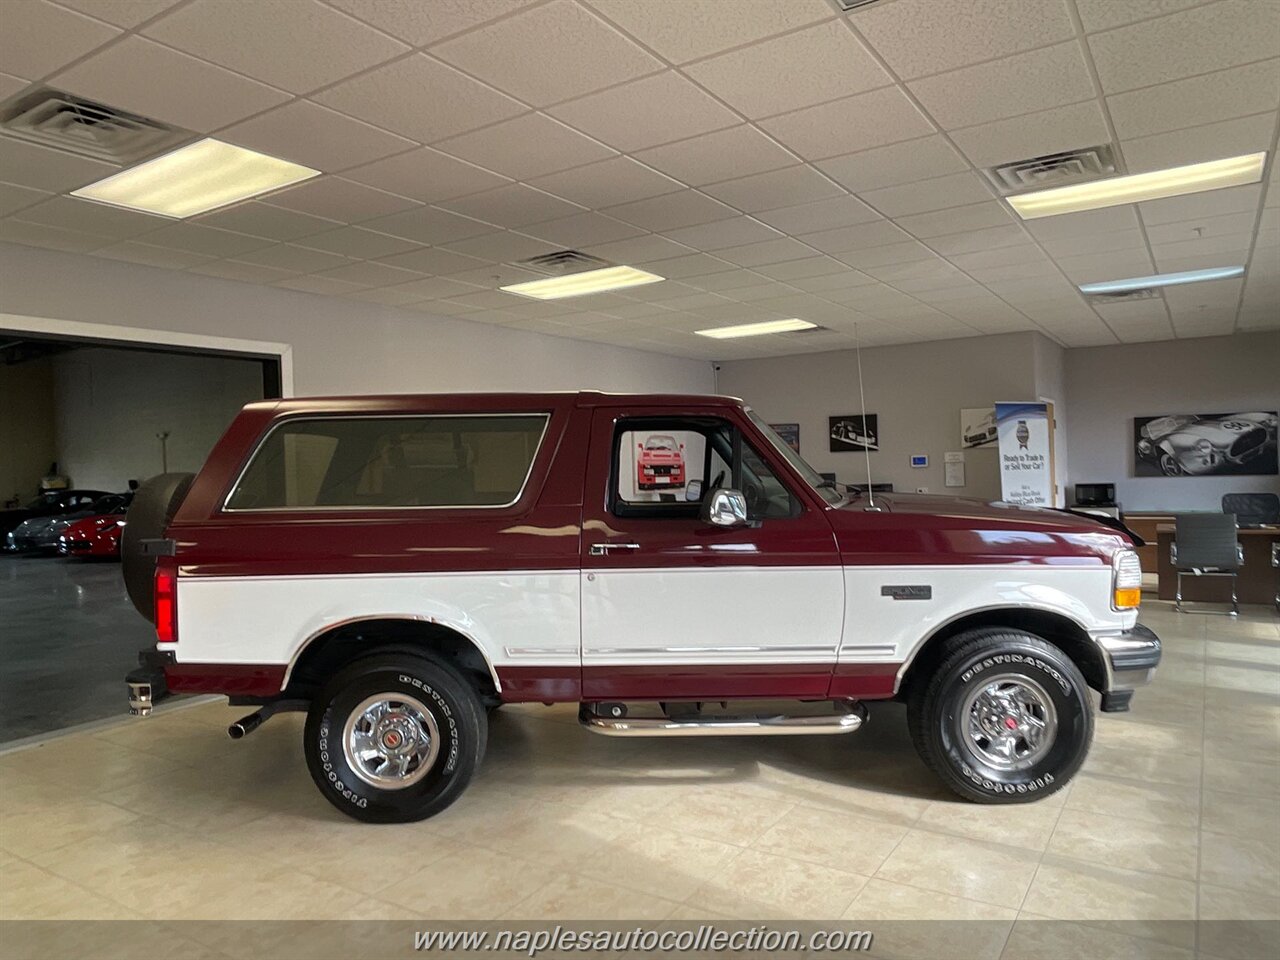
column 236, row 731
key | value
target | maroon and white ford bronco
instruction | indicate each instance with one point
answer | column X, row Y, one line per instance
column 397, row 566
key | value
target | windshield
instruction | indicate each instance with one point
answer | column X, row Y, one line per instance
column 810, row 475
column 42, row 501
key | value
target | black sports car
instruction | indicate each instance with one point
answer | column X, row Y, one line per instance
column 50, row 503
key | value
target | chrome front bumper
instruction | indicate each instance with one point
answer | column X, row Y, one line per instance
column 1131, row 659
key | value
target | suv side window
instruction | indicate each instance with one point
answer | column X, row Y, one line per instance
column 344, row 463
column 663, row 467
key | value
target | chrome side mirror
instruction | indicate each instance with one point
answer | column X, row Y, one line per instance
column 725, row 508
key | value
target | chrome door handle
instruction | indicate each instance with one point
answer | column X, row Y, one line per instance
column 602, row 549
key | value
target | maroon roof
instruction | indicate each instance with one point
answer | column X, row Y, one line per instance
column 470, row 402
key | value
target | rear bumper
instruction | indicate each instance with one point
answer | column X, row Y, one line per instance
column 1131, row 660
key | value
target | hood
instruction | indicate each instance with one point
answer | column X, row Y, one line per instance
column 928, row 529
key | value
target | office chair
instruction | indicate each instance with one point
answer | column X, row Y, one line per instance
column 1206, row 545
column 1252, row 509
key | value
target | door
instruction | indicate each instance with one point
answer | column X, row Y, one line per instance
column 675, row 608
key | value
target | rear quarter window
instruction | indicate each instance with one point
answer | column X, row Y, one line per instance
column 344, row 463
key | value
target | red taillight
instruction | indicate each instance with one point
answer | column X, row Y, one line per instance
column 166, row 605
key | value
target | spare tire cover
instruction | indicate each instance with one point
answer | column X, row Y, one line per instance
column 153, row 507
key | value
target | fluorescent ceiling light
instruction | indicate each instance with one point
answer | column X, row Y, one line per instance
column 757, row 329
column 194, row 179
column 579, row 284
column 1162, row 280
column 1174, row 182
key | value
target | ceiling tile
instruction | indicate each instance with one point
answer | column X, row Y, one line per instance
column 10, row 85
column 514, row 205
column 804, row 268
column 1220, row 226
column 144, row 77
column 644, row 113
column 235, row 270
column 426, row 175
column 1091, row 267
column 14, row 198
column 1215, row 250
column 1104, row 14
column 358, row 243
column 1023, row 83
column 435, row 287
column 1196, row 100
column 421, row 98
column 842, row 239
column 1108, row 220
column 973, row 216
column 702, row 27
column 1034, row 134
column 918, row 37
column 775, row 189
column 367, row 274
column 263, row 220
column 39, row 38
column 525, row 54
column 874, row 252
column 493, row 275
column 854, row 123
column 327, row 286
column 314, row 136
column 419, row 23
column 1196, row 144
column 937, row 194
column 671, row 211
column 836, row 64
column 53, row 238
column 503, row 247
column 694, row 265
column 616, row 180
column 897, row 163
column 1127, row 240
column 209, row 241
column 322, row 44
column 287, row 256
column 1212, row 203
column 819, row 215
column 390, row 296
column 724, row 155
column 735, row 279
column 723, row 233
column 434, row 261
column 28, row 165
column 988, row 238
column 1194, row 41
column 84, row 216
column 122, row 13
column 144, row 253
column 339, row 199
column 639, row 250
column 581, row 229
column 526, row 147
column 429, row 225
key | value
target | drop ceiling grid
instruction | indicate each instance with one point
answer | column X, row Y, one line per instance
column 922, row 317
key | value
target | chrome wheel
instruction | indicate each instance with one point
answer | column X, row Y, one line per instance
column 391, row 741
column 1008, row 723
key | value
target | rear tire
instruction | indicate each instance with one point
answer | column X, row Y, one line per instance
column 1004, row 718
column 151, row 511
column 394, row 738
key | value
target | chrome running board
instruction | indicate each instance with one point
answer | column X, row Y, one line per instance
column 849, row 717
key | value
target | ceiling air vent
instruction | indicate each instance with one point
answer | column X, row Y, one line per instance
column 1146, row 293
column 847, row 5
column 564, row 262
column 1054, row 170
column 63, row 121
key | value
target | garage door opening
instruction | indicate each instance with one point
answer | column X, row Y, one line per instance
column 82, row 421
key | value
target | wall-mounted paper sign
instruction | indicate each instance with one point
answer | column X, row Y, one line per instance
column 1026, row 454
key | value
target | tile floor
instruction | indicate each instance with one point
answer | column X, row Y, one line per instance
column 1176, row 816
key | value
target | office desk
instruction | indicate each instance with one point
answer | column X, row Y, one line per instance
column 1258, row 582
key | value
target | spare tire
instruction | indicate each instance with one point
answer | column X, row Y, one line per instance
column 153, row 507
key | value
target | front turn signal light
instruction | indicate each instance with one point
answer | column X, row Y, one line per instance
column 1128, row 598
column 1126, row 577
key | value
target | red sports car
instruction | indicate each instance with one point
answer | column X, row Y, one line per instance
column 93, row 537
column 660, row 463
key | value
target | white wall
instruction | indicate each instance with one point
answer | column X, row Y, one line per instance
column 26, row 428
column 1051, row 384
column 1108, row 386
column 917, row 392
column 110, row 404
column 339, row 346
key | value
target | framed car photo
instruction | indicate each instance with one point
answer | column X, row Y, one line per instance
column 855, row 432
column 1205, row 444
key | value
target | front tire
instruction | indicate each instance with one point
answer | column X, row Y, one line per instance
column 1004, row 718
column 394, row 738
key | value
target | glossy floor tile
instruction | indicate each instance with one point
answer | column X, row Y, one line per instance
column 1172, row 819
